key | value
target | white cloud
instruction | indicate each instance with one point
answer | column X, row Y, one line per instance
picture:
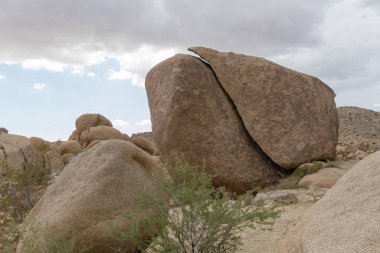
column 376, row 105
column 131, row 128
column 38, row 64
column 135, row 65
column 78, row 71
column 91, row 74
column 2, row 77
column 144, row 122
column 119, row 124
column 39, row 86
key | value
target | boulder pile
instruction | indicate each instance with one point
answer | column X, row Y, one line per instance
column 92, row 128
column 240, row 117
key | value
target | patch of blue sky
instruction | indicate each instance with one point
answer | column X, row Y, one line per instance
column 50, row 112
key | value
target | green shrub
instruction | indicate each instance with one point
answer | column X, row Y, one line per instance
column 198, row 218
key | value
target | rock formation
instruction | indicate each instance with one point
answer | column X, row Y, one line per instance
column 15, row 152
column 346, row 220
column 240, row 117
column 291, row 116
column 359, row 133
column 91, row 195
column 93, row 128
column 193, row 120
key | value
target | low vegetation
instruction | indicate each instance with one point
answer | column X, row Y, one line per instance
column 198, row 218
column 191, row 216
column 19, row 192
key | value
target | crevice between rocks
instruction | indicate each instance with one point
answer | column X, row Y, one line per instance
column 277, row 168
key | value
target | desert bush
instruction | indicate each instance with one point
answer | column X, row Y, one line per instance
column 54, row 244
column 198, row 218
column 22, row 189
column 19, row 191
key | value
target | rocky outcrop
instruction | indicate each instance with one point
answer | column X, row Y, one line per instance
column 146, row 145
column 346, row 220
column 291, row 116
column 103, row 133
column 85, row 121
column 91, row 195
column 3, row 130
column 358, row 130
column 70, row 146
column 93, row 128
column 194, row 120
column 15, row 151
column 324, row 178
column 230, row 107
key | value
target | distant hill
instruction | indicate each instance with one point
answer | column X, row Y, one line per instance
column 357, row 125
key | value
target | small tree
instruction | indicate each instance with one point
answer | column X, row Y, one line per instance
column 198, row 218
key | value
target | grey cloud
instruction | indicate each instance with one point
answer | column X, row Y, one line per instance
column 325, row 38
column 63, row 30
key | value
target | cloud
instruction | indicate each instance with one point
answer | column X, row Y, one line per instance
column 39, row 86
column 133, row 66
column 144, row 122
column 119, row 124
column 91, row 74
column 2, row 77
column 335, row 40
column 376, row 105
column 37, row 64
column 75, row 33
column 131, row 128
column 77, row 71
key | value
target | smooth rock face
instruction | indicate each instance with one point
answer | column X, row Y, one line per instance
column 71, row 146
column 291, row 116
column 17, row 152
column 102, row 133
column 325, row 178
column 85, row 121
column 146, row 145
column 92, row 194
column 193, row 120
column 40, row 144
column 346, row 219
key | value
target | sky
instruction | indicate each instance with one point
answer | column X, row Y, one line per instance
column 60, row 59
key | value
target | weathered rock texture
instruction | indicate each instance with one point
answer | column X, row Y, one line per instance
column 93, row 128
column 358, row 130
column 15, row 152
column 347, row 219
column 85, row 121
column 91, row 195
column 325, row 178
column 194, row 120
column 291, row 116
column 146, row 144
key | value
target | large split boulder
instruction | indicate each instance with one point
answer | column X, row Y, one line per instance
column 346, row 219
column 194, row 120
column 291, row 116
column 91, row 197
